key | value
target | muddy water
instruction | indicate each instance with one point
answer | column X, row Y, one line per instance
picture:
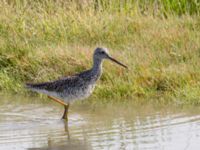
column 26, row 123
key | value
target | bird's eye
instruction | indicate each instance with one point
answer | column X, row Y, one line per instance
column 102, row 52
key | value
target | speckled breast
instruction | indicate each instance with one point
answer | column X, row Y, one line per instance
column 79, row 93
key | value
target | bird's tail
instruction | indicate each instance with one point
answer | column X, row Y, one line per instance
column 36, row 86
column 33, row 86
column 28, row 85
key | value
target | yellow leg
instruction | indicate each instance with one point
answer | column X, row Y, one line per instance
column 65, row 114
column 57, row 100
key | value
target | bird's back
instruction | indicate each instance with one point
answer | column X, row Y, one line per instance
column 69, row 88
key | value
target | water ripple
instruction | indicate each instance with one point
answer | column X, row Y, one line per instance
column 20, row 128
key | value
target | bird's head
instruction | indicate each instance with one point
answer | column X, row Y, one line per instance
column 102, row 53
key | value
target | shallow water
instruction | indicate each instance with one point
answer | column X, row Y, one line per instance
column 26, row 123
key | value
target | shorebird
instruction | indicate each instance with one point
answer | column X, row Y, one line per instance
column 76, row 87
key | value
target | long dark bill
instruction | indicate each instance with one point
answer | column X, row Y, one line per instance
column 116, row 61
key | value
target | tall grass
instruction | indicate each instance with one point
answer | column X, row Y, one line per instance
column 159, row 41
column 156, row 7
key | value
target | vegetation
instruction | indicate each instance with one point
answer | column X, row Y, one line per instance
column 159, row 40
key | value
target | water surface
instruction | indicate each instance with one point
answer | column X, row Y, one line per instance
column 27, row 123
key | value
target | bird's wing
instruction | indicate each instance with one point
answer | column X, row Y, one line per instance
column 58, row 85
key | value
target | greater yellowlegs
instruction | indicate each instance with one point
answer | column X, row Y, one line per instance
column 76, row 87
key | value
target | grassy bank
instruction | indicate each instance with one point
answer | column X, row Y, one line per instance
column 160, row 42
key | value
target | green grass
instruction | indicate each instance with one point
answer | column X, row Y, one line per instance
column 159, row 41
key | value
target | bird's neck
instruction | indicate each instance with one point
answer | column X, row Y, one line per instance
column 97, row 67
